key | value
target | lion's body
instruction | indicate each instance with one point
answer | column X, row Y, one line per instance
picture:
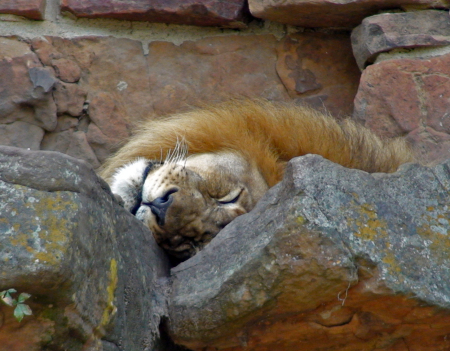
column 257, row 136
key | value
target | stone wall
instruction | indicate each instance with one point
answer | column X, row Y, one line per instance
column 77, row 76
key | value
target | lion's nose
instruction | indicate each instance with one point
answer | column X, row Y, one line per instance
column 160, row 205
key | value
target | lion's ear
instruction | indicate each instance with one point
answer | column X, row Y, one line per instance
column 128, row 180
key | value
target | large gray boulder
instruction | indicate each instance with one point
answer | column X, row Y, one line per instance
column 331, row 258
column 95, row 273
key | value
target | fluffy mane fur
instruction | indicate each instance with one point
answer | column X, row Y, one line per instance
column 267, row 133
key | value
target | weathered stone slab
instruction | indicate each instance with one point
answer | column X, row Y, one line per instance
column 93, row 270
column 110, row 86
column 331, row 258
column 66, row 70
column 408, row 96
column 389, row 31
column 33, row 9
column 21, row 134
column 215, row 69
column 69, row 99
column 232, row 14
column 319, row 69
column 212, row 69
column 332, row 13
column 73, row 143
column 110, row 65
column 25, row 86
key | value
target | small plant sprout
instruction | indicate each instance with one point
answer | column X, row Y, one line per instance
column 20, row 309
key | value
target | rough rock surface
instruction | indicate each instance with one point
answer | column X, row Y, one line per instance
column 389, row 31
column 93, row 270
column 332, row 13
column 214, row 69
column 25, row 86
column 232, row 14
column 330, row 259
column 33, row 9
column 409, row 96
column 317, row 69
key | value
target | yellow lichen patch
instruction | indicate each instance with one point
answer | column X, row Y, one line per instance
column 371, row 229
column 435, row 229
column 19, row 238
column 301, row 220
column 45, row 225
column 368, row 210
column 110, row 309
column 369, row 226
column 54, row 213
column 390, row 260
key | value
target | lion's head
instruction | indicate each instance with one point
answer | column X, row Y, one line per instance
column 186, row 201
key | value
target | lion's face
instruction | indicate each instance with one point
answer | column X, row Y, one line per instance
column 187, row 202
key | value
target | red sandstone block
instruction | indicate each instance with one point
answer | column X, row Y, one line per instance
column 331, row 13
column 33, row 9
column 231, row 13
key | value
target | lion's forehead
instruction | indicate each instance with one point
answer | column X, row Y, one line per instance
column 161, row 179
column 211, row 162
column 208, row 167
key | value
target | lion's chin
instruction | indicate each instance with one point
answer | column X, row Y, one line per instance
column 180, row 251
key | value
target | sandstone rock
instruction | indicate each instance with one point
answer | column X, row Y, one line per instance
column 110, row 127
column 66, row 122
column 12, row 49
column 21, row 134
column 212, row 69
column 72, row 143
column 67, row 70
column 332, row 13
column 102, row 145
column 230, row 14
column 93, row 270
column 330, row 259
column 103, row 111
column 25, row 86
column 318, row 69
column 110, row 65
column 69, row 98
column 33, row 9
column 408, row 97
column 43, row 48
column 111, row 86
column 389, row 31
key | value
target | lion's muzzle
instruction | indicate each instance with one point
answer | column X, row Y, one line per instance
column 160, row 205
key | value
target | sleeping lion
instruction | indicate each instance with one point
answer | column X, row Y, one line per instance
column 188, row 175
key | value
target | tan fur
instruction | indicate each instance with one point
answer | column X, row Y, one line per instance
column 267, row 133
column 220, row 160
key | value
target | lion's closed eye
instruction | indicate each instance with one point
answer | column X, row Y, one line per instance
column 232, row 197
